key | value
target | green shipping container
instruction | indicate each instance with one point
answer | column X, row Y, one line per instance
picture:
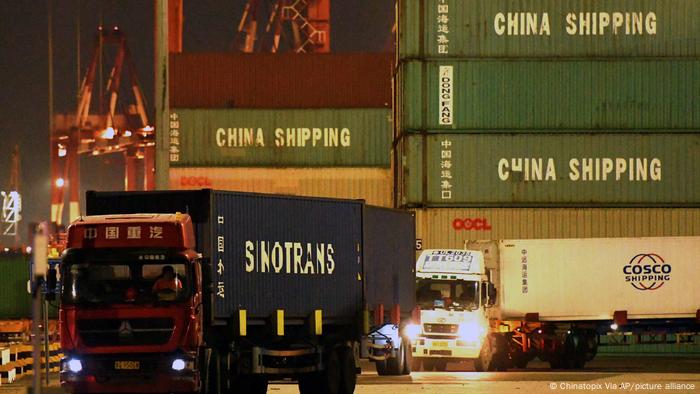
column 550, row 170
column 280, row 138
column 15, row 302
column 606, row 95
column 548, row 28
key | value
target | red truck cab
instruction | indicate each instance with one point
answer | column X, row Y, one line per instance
column 131, row 304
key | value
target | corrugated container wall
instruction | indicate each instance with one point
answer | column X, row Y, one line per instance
column 227, row 80
column 549, row 277
column 15, row 302
column 452, row 227
column 548, row 28
column 373, row 185
column 523, row 95
column 321, row 255
column 282, row 137
column 575, row 169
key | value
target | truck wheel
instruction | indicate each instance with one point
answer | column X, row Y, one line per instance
column 333, row 375
column 408, row 356
column 329, row 381
column 392, row 365
column 441, row 365
column 519, row 360
column 485, row 360
column 382, row 369
column 492, row 355
column 209, row 372
column 592, row 348
column 395, row 365
column 575, row 347
column 556, row 362
column 349, row 374
column 478, row 366
column 416, row 364
column 310, row 383
column 253, row 385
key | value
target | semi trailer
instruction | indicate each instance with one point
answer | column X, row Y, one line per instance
column 504, row 303
column 214, row 292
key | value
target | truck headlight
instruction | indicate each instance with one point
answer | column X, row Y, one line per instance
column 412, row 331
column 74, row 365
column 178, row 364
column 470, row 332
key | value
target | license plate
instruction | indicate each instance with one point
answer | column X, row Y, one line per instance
column 440, row 344
column 131, row 365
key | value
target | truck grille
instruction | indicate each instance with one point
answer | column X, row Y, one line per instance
column 441, row 328
column 125, row 332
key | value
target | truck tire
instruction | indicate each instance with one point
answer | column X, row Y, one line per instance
column 348, row 372
column 416, row 364
column 393, row 366
column 408, row 359
column 258, row 385
column 575, row 347
column 248, row 384
column 592, row 348
column 310, row 383
column 519, row 359
column 329, row 381
column 332, row 377
column 493, row 354
column 440, row 365
column 556, row 361
column 209, row 378
column 382, row 369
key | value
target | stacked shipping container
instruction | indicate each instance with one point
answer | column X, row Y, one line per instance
column 313, row 125
column 548, row 118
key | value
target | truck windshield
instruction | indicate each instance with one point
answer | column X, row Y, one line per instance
column 455, row 294
column 124, row 281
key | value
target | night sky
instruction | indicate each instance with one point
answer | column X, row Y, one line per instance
column 209, row 26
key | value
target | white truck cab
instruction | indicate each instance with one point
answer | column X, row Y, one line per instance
column 452, row 292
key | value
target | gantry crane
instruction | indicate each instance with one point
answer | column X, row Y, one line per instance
column 305, row 24
column 114, row 125
column 12, row 200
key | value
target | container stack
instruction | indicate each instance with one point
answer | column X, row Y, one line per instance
column 548, row 118
column 312, row 125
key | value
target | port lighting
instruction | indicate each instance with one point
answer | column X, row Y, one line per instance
column 127, row 133
column 614, row 326
column 108, row 133
column 148, row 128
column 75, row 365
column 28, row 249
column 62, row 151
column 178, row 364
column 60, row 182
column 412, row 331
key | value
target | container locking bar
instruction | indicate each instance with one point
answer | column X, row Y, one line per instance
column 242, row 322
column 316, row 322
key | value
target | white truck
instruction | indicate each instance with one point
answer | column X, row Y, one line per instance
column 453, row 293
column 555, row 297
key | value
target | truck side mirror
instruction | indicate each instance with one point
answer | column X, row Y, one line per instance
column 51, row 284
column 492, row 294
column 206, row 275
